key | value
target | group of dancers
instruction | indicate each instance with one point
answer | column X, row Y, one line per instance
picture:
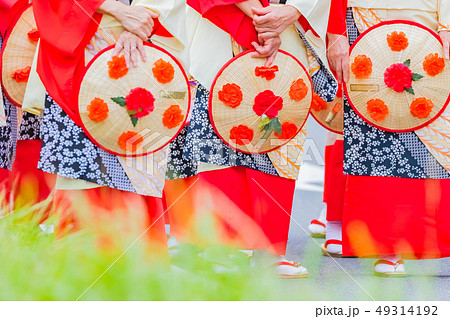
column 385, row 193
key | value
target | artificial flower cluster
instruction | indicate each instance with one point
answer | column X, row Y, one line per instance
column 268, row 103
column 117, row 67
column 288, row 131
column 318, row 104
column 298, row 90
column 433, row 64
column 97, row 110
column 421, row 107
column 33, row 35
column 173, row 117
column 21, row 75
column 377, row 110
column 139, row 103
column 231, row 95
column 163, row 71
column 241, row 134
column 362, row 67
column 267, row 73
column 398, row 77
column 130, row 141
column 397, row 41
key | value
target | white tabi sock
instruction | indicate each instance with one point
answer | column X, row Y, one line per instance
column 334, row 231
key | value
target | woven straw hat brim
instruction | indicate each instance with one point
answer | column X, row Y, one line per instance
column 330, row 120
column 373, row 44
column 18, row 53
column 96, row 83
column 241, row 71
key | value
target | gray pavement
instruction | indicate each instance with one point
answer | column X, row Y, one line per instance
column 349, row 279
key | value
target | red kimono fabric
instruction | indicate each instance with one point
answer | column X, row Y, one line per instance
column 335, row 181
column 392, row 215
column 225, row 15
column 29, row 184
column 112, row 215
column 336, row 22
column 25, row 182
column 249, row 209
column 9, row 9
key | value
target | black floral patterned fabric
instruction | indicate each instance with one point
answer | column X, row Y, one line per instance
column 8, row 135
column 179, row 166
column 30, row 127
column 68, row 152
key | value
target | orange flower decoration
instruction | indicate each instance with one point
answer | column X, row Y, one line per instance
column 163, row 71
column 288, row 131
column 421, row 107
column 377, row 110
column 21, row 75
column 241, row 135
column 98, row 110
column 266, row 72
column 433, row 64
column 33, row 35
column 318, row 104
column 362, row 67
column 172, row 117
column 298, row 90
column 117, row 67
column 128, row 139
column 231, row 95
column 397, row 41
column 336, row 108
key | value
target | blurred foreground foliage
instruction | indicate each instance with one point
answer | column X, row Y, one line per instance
column 37, row 265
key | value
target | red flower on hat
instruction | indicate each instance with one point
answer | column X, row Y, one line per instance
column 231, row 95
column 421, row 107
column 267, row 103
column 172, row 117
column 241, row 135
column 288, row 130
column 298, row 90
column 318, row 104
column 377, row 110
column 98, row 110
column 362, row 67
column 433, row 64
column 140, row 101
column 266, row 72
column 117, row 67
column 33, row 35
column 397, row 41
column 163, row 71
column 21, row 75
column 398, row 77
column 130, row 140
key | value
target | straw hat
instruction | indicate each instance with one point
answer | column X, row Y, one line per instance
column 330, row 115
column 17, row 56
column 399, row 80
column 256, row 110
column 136, row 111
